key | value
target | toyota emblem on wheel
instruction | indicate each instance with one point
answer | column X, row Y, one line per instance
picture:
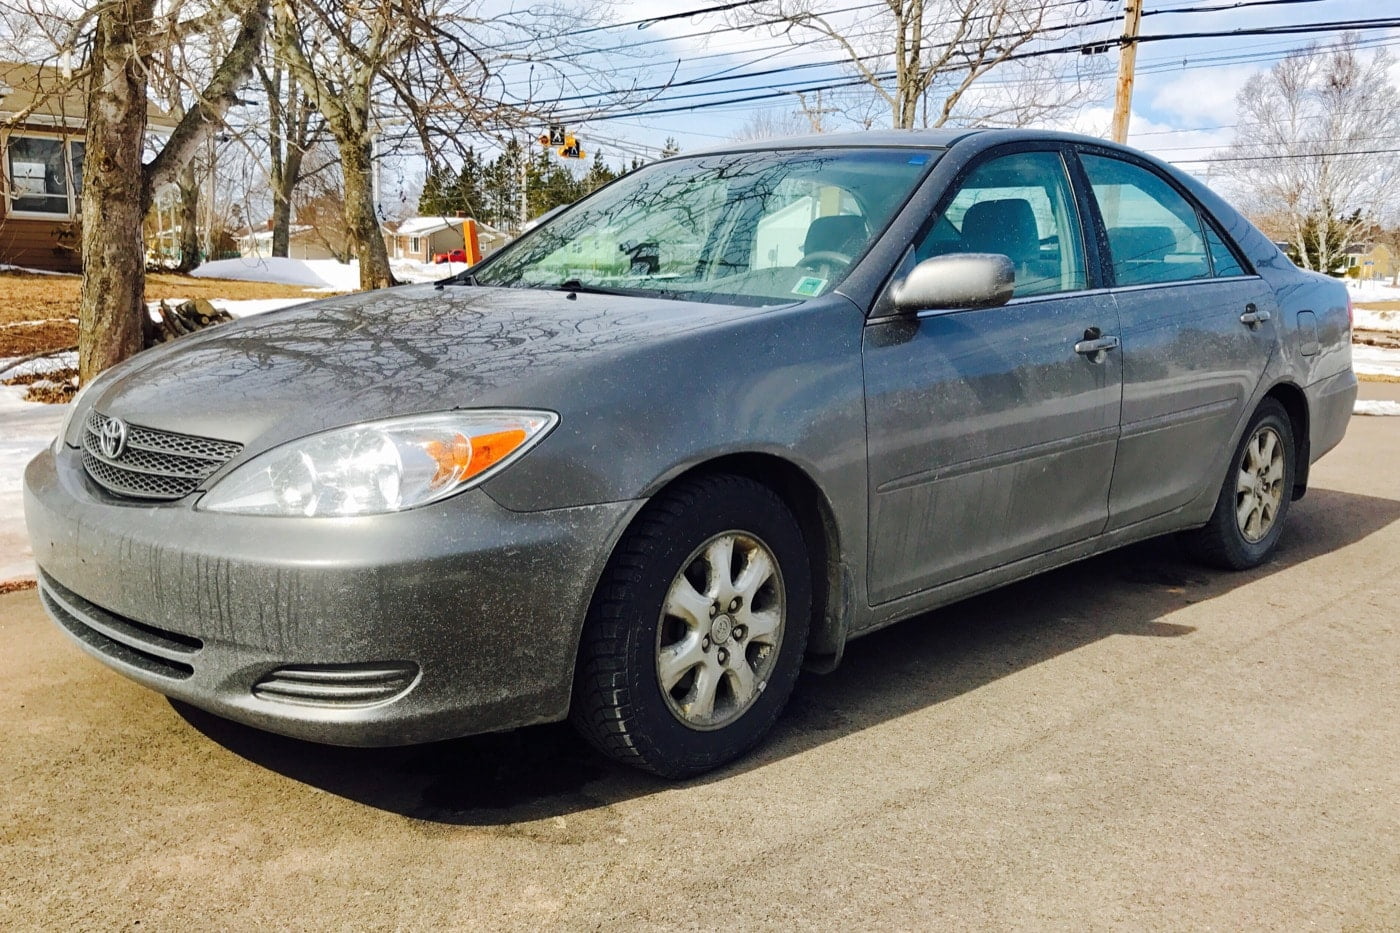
column 112, row 438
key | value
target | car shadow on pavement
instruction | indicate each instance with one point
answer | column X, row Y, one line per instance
column 546, row 771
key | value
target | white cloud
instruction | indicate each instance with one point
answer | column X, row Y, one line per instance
column 1202, row 97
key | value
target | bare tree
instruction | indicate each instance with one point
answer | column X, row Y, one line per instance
column 1310, row 150
column 926, row 59
column 771, row 123
column 117, row 187
column 293, row 126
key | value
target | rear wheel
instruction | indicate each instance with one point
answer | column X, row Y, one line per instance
column 1248, row 519
column 697, row 631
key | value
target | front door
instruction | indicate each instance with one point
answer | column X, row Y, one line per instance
column 990, row 436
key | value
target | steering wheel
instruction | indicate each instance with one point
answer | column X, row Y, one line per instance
column 824, row 257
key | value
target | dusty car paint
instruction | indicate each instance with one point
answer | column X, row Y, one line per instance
column 930, row 470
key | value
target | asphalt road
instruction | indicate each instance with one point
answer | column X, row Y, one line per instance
column 1130, row 742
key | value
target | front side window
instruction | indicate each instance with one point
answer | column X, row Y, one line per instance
column 1020, row 206
column 40, row 172
column 748, row 227
column 1154, row 235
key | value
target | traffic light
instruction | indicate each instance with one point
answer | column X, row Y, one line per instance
column 570, row 149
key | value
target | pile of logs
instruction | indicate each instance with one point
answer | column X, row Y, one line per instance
column 177, row 320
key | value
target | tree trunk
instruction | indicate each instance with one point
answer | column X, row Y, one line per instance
column 112, row 318
column 361, row 220
column 281, row 220
column 189, row 220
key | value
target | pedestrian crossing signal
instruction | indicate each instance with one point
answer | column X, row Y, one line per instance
column 571, row 149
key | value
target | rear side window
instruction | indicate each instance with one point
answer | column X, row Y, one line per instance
column 1220, row 256
column 1154, row 235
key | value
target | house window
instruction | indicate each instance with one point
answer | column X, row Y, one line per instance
column 413, row 244
column 39, row 171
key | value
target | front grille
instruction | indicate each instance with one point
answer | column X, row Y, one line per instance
column 135, row 644
column 337, row 684
column 153, row 464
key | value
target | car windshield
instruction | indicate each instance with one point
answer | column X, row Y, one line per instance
column 748, row 228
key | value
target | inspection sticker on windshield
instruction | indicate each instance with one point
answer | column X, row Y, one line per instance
column 809, row 285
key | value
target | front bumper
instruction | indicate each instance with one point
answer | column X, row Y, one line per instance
column 478, row 609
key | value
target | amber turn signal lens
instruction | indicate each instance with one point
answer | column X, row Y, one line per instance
column 464, row 457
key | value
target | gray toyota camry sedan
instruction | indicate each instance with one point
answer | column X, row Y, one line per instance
column 691, row 434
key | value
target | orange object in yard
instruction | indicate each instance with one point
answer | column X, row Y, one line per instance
column 473, row 242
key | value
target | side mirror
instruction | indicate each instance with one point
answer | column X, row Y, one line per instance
column 958, row 280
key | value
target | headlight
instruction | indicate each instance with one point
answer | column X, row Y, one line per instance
column 73, row 407
column 381, row 466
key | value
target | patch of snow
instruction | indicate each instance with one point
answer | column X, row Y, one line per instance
column 44, row 364
column 424, row 273
column 1366, row 319
column 1376, row 407
column 1375, row 361
column 312, row 273
column 29, row 427
column 4, row 267
column 1373, row 290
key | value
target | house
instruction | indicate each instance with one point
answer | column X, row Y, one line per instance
column 422, row 238
column 304, row 241
column 1370, row 261
column 42, row 115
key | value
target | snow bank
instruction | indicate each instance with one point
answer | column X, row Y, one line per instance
column 1375, row 361
column 44, row 364
column 312, row 273
column 1365, row 319
column 321, row 274
column 424, row 273
column 28, row 429
column 1376, row 407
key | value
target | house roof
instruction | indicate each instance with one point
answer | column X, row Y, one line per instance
column 46, row 96
column 417, row 226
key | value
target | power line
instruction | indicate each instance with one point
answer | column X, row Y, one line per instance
column 1335, row 26
column 1289, row 155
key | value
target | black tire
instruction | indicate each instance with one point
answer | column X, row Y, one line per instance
column 1222, row 542
column 619, row 704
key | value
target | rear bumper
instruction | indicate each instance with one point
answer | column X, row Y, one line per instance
column 452, row 619
column 1330, row 404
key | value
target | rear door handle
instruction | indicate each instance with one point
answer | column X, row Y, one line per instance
column 1253, row 316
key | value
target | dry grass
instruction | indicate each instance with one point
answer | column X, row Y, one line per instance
column 39, row 312
column 1377, row 377
column 1379, row 305
column 16, row 586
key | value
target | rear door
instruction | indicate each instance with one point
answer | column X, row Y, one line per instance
column 1197, row 330
column 991, row 438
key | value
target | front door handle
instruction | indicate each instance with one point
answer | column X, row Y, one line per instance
column 1253, row 316
column 1094, row 347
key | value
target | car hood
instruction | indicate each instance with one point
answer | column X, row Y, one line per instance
column 396, row 351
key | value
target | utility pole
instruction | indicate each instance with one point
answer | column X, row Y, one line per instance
column 1127, row 65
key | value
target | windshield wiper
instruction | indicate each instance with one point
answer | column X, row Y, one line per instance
column 574, row 285
column 461, row 278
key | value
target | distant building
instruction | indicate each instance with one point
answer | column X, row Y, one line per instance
column 1370, row 261
column 422, row 238
column 304, row 241
column 42, row 122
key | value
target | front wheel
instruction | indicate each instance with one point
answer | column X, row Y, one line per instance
column 697, row 630
column 1248, row 519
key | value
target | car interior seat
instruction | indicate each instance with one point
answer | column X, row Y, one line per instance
column 1008, row 226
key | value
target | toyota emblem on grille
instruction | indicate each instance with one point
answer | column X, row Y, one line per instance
column 111, row 438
